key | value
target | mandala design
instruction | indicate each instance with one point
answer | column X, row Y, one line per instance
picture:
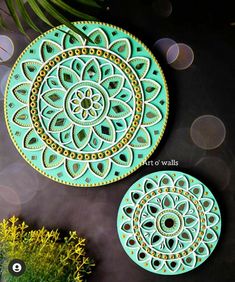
column 86, row 113
column 169, row 222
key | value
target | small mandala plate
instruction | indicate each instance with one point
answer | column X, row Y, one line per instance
column 86, row 113
column 169, row 222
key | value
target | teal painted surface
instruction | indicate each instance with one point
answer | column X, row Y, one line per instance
column 83, row 113
column 169, row 222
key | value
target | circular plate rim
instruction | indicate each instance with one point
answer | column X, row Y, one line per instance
column 162, row 173
column 98, row 183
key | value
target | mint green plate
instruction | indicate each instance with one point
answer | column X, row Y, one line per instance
column 83, row 113
column 169, row 222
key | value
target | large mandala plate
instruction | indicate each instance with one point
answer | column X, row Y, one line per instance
column 86, row 113
column 169, row 222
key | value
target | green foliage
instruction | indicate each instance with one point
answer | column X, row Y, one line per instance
column 55, row 8
column 47, row 256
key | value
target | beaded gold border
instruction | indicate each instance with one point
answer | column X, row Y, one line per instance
column 34, row 112
column 153, row 194
column 98, row 183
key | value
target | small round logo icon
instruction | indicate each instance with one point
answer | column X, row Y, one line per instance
column 16, row 267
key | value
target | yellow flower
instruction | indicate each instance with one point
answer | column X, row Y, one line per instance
column 47, row 256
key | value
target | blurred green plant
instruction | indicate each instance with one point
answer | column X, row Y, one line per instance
column 47, row 256
column 19, row 9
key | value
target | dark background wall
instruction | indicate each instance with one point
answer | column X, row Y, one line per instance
column 206, row 87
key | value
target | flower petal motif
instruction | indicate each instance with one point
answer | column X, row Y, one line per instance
column 77, row 65
column 213, row 219
column 96, row 98
column 55, row 97
column 185, row 236
column 165, row 180
column 173, row 265
column 99, row 37
column 136, row 196
column 190, row 260
column 156, row 239
column 127, row 226
column 121, row 47
column 81, row 95
column 197, row 190
column 22, row 117
column 120, row 125
column 182, row 207
column 68, row 77
column 59, row 122
column 152, row 115
column 78, row 107
column 91, row 71
column 142, row 255
column 81, row 136
column 72, row 39
column 151, row 89
column 124, row 157
column 92, row 112
column 171, row 243
column 105, row 130
column 49, row 49
column 95, row 141
column 190, row 221
column 31, row 68
column 141, row 65
column 148, row 224
column 75, row 168
column 21, row 92
column 128, row 210
column 141, row 140
column 207, row 204
column 51, row 159
column 32, row 141
column 65, row 136
column 118, row 109
column 113, row 84
column 157, row 264
column 149, row 185
column 52, row 82
column 202, row 250
column 182, row 182
column 153, row 209
column 106, row 70
column 210, row 236
column 168, row 202
column 131, row 242
column 100, row 168
column 125, row 95
column 48, row 112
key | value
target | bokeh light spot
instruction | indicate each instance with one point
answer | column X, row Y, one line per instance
column 162, row 46
column 180, row 56
column 208, row 132
column 162, row 8
column 6, row 48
